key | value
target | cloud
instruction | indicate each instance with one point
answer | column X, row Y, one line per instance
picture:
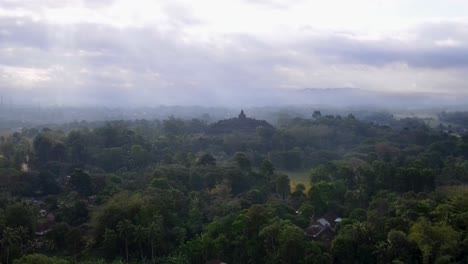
column 431, row 45
column 275, row 4
column 180, row 57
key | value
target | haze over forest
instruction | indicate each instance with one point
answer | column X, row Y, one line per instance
column 239, row 131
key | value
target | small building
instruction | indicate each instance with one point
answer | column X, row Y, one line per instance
column 24, row 167
column 215, row 261
column 323, row 229
column 324, row 222
column 50, row 218
column 42, row 232
column 319, row 233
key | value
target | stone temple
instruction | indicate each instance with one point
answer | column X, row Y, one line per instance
column 242, row 125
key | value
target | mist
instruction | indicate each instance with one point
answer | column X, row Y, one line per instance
column 237, row 131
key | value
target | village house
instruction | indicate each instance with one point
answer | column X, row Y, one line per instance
column 322, row 229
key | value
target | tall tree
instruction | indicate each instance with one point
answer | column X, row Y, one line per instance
column 23, row 235
column 154, row 230
column 141, row 235
column 126, row 230
column 80, row 182
column 434, row 241
column 10, row 237
column 282, row 185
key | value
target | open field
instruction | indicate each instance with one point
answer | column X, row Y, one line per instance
column 454, row 189
column 296, row 177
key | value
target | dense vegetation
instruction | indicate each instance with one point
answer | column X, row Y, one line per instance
column 169, row 192
column 458, row 118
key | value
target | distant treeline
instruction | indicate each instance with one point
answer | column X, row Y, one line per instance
column 459, row 118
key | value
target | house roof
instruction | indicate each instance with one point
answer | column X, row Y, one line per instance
column 215, row 261
column 323, row 222
column 314, row 230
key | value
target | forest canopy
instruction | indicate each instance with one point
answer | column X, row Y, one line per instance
column 323, row 189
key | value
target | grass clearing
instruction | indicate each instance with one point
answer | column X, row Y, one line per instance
column 454, row 189
column 296, row 177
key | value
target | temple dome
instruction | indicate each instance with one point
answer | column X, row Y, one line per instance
column 242, row 124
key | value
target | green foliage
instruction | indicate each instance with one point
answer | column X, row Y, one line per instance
column 434, row 241
column 242, row 161
column 153, row 192
column 289, row 160
column 39, row 259
column 282, row 185
column 354, row 241
column 206, row 160
column 18, row 214
column 80, row 182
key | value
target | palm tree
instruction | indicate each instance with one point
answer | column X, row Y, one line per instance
column 10, row 236
column 154, row 233
column 22, row 235
column 141, row 234
column 125, row 229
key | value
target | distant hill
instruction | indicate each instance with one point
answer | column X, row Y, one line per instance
column 358, row 97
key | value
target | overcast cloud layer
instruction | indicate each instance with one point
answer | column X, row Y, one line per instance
column 146, row 52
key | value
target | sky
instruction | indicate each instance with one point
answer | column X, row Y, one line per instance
column 150, row 52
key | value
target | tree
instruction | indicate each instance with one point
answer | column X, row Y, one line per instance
column 289, row 160
column 141, row 235
column 7, row 148
column 434, row 241
column 109, row 242
column 297, row 197
column 242, row 160
column 125, row 228
column 74, row 212
column 267, row 168
column 316, row 114
column 43, row 149
column 154, row 230
column 39, row 259
column 396, row 248
column 57, row 235
column 17, row 215
column 206, row 160
column 78, row 146
column 282, row 185
column 195, row 217
column 58, row 152
column 291, row 244
column 269, row 234
column 23, row 234
column 323, row 194
column 264, row 134
column 173, row 126
column 111, row 159
column 80, row 182
column 316, row 254
column 74, row 241
column 10, row 237
column 320, row 173
column 283, row 241
column 47, row 183
column 353, row 244
column 138, row 156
